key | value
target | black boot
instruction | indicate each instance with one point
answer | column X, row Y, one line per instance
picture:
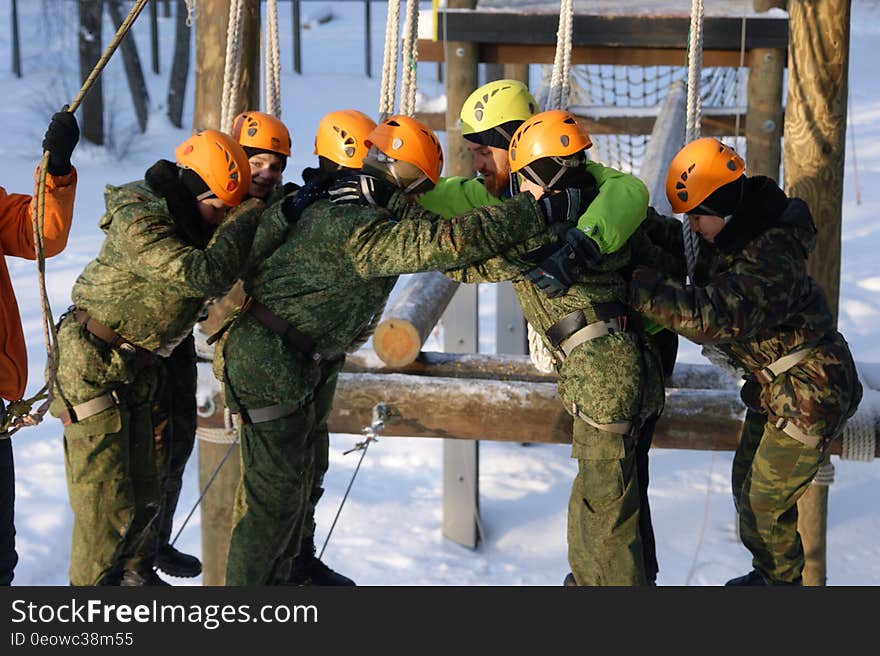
column 307, row 569
column 176, row 563
column 131, row 578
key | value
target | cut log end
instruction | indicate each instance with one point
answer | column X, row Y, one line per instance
column 396, row 342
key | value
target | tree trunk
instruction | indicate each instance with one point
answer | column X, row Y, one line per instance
column 92, row 123
column 154, row 35
column 815, row 132
column 133, row 71
column 179, row 67
column 212, row 19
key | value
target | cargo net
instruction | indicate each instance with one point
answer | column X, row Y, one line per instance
column 610, row 94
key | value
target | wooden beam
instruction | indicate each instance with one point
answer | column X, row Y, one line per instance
column 516, row 53
column 719, row 32
column 518, row 411
column 815, row 134
column 510, row 367
column 667, row 138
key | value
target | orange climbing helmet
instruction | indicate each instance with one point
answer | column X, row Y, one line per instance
column 262, row 132
column 342, row 136
column 554, row 136
column 700, row 169
column 219, row 161
column 406, row 151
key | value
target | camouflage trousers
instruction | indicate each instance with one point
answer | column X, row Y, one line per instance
column 771, row 471
column 110, row 459
column 604, row 537
column 277, row 472
column 174, row 430
column 283, row 463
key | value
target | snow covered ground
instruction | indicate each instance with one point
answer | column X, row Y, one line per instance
column 390, row 530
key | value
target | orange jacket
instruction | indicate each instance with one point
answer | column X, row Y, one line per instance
column 17, row 239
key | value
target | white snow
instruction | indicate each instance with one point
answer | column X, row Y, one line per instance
column 389, row 532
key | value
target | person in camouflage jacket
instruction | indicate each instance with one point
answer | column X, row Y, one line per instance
column 266, row 142
column 605, row 525
column 163, row 256
column 310, row 300
column 489, row 117
column 753, row 299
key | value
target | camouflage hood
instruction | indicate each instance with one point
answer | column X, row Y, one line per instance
column 765, row 207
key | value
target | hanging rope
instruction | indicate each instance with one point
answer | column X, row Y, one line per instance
column 272, row 75
column 190, row 12
column 232, row 68
column 692, row 122
column 388, row 87
column 557, row 98
column 409, row 58
column 20, row 414
column 560, row 78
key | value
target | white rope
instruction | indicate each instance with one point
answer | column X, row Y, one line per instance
column 560, row 83
column 190, row 12
column 859, row 435
column 232, row 68
column 388, row 86
column 692, row 122
column 409, row 58
column 226, row 435
column 825, row 475
column 272, row 58
column 557, row 98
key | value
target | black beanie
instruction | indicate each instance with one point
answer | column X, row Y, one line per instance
column 725, row 200
column 193, row 183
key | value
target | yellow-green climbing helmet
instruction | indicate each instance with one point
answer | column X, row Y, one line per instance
column 494, row 105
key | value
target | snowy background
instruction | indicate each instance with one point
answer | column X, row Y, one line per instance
column 389, row 532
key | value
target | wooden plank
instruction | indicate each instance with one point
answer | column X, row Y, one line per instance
column 719, row 32
column 514, row 53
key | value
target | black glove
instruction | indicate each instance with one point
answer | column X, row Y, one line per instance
column 361, row 189
column 61, row 138
column 559, row 269
column 565, row 206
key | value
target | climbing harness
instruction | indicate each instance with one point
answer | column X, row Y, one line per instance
column 20, row 413
column 381, row 412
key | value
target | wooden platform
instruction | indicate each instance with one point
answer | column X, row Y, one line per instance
column 625, row 37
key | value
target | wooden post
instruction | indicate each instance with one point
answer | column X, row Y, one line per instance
column 815, row 131
column 461, row 80
column 212, row 19
column 133, row 71
column 179, row 66
column 407, row 323
column 764, row 97
column 666, row 140
column 90, row 15
column 368, row 40
column 216, row 507
column 297, row 37
column 166, row 5
column 16, row 44
column 211, row 23
column 154, row 35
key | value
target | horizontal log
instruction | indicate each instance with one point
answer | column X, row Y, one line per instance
column 517, row 53
column 409, row 320
column 503, row 367
column 518, row 411
column 719, row 32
